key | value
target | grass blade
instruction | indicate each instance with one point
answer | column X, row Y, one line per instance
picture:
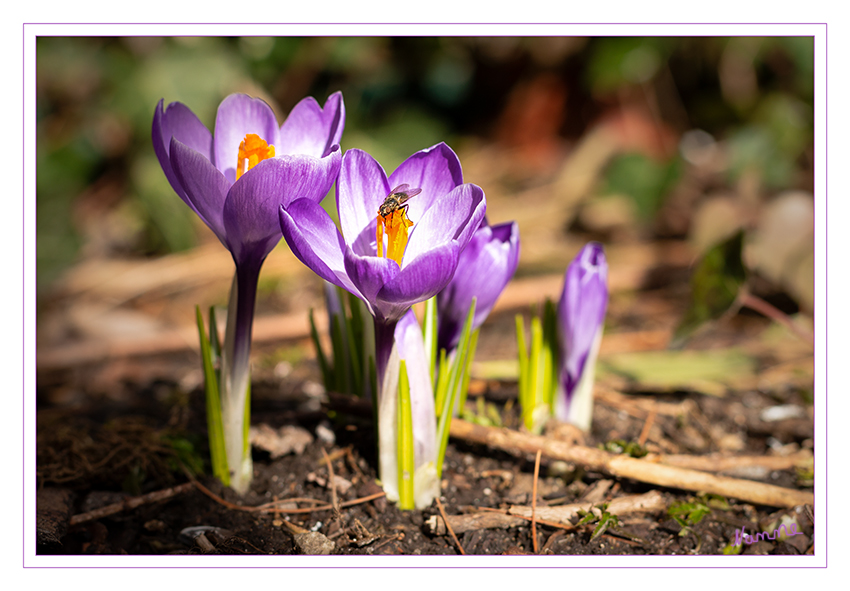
column 430, row 323
column 215, row 427
column 522, row 354
column 320, row 354
column 406, row 461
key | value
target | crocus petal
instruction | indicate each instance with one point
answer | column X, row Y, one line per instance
column 310, row 129
column 239, row 115
column 180, row 122
column 369, row 274
column 454, row 217
column 311, row 234
column 250, row 224
column 361, row 189
column 483, row 270
column 576, row 405
column 423, row 278
column 205, row 187
column 435, row 170
column 250, row 211
column 581, row 309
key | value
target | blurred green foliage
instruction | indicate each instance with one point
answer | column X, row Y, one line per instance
column 619, row 61
column 715, row 285
column 642, row 178
column 99, row 185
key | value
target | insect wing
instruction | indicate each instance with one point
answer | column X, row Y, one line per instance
column 404, row 196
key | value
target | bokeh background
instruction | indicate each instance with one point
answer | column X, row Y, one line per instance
column 661, row 148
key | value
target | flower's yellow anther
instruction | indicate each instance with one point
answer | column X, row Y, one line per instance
column 252, row 151
column 395, row 225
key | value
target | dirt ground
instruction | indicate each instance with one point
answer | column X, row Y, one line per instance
column 112, row 437
column 693, row 450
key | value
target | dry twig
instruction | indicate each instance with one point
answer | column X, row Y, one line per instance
column 559, row 517
column 627, row 467
column 131, row 503
column 725, row 463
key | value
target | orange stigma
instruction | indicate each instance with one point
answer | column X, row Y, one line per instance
column 252, row 151
column 395, row 224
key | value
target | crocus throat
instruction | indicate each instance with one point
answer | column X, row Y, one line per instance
column 395, row 224
column 252, row 151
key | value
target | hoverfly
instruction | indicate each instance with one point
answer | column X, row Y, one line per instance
column 397, row 199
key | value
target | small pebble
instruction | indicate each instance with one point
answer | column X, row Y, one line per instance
column 782, row 412
column 325, row 434
column 313, row 543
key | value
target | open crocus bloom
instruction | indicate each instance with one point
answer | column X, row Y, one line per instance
column 440, row 218
column 483, row 271
column 235, row 180
column 581, row 314
column 444, row 215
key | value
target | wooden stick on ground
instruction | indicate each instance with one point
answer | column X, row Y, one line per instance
column 560, row 516
column 725, row 463
column 627, row 467
column 131, row 503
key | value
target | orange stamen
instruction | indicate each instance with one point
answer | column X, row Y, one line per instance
column 395, row 225
column 252, row 151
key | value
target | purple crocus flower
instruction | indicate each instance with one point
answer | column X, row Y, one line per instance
column 235, row 180
column 484, row 269
column 581, row 313
column 445, row 215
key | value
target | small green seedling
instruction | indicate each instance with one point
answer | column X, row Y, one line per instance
column 604, row 522
column 485, row 413
column 620, row 446
column 688, row 514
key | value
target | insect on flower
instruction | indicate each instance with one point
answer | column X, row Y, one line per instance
column 392, row 219
column 397, row 199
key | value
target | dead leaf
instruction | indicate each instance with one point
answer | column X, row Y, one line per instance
column 287, row 439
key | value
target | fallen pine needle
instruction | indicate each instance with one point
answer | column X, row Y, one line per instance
column 534, row 502
column 644, row 433
column 449, row 527
column 332, row 481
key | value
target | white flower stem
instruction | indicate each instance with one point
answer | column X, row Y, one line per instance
column 236, row 377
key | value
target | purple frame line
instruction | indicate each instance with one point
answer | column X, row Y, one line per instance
column 826, row 286
column 23, row 293
column 825, row 312
column 431, row 24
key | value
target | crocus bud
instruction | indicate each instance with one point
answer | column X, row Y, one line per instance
column 483, row 270
column 581, row 314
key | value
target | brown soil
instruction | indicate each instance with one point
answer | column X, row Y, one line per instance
column 99, row 449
